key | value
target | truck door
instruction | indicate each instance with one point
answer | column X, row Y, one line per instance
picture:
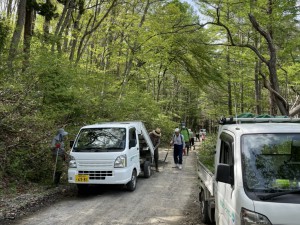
column 133, row 152
column 225, row 199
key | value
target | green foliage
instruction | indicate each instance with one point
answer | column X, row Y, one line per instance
column 207, row 150
column 144, row 61
column 4, row 32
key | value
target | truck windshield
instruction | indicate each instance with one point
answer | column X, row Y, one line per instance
column 271, row 162
column 100, row 140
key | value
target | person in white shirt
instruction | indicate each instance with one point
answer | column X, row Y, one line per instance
column 179, row 144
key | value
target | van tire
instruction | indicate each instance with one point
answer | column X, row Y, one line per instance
column 131, row 185
column 147, row 169
column 204, row 208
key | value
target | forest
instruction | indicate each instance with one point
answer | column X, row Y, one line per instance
column 68, row 63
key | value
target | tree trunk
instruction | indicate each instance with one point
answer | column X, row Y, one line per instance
column 46, row 28
column 272, row 67
column 28, row 32
column 228, row 72
column 87, row 33
column 75, row 36
column 58, row 28
column 17, row 33
column 257, row 87
column 9, row 8
column 229, row 88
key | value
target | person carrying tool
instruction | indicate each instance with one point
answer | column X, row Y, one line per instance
column 59, row 154
column 155, row 138
column 179, row 144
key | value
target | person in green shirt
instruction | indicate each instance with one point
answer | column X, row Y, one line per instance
column 185, row 132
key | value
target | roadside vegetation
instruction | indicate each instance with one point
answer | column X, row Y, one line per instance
column 206, row 153
column 69, row 63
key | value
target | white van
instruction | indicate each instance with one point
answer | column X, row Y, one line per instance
column 110, row 153
column 257, row 173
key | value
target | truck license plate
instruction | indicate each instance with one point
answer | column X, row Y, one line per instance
column 82, row 178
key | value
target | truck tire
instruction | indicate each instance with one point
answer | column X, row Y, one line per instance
column 147, row 169
column 204, row 208
column 131, row 185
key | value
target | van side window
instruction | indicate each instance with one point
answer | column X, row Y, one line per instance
column 132, row 137
column 226, row 153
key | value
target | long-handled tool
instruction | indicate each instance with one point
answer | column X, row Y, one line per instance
column 55, row 165
column 167, row 154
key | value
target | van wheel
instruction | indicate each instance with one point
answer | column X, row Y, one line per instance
column 203, row 208
column 131, row 185
column 147, row 169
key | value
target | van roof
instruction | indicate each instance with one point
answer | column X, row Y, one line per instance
column 124, row 124
column 263, row 128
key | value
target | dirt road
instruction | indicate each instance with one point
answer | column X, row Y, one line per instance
column 167, row 197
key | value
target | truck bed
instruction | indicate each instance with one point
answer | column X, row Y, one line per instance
column 206, row 176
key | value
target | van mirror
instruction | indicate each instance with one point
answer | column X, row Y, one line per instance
column 224, row 174
column 71, row 144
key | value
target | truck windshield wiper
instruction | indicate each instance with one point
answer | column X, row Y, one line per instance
column 114, row 148
column 277, row 194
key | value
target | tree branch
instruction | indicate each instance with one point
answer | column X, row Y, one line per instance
column 268, row 86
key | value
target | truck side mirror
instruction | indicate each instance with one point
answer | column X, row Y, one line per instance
column 224, row 174
column 71, row 144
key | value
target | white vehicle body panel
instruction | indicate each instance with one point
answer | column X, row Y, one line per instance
column 229, row 200
column 100, row 166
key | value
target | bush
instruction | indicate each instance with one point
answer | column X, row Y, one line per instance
column 206, row 152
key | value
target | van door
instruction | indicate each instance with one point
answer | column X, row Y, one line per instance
column 225, row 192
column 133, row 152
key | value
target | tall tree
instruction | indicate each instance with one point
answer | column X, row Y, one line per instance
column 21, row 13
column 262, row 17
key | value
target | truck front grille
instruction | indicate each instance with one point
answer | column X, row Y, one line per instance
column 97, row 175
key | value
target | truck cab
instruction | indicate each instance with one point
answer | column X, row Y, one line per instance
column 110, row 153
column 257, row 179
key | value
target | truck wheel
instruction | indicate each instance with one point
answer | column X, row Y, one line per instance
column 82, row 189
column 203, row 208
column 131, row 185
column 147, row 169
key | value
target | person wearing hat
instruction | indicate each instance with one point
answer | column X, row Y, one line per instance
column 179, row 144
column 155, row 138
column 58, row 153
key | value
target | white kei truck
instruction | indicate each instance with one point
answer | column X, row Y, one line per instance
column 110, row 153
column 257, row 173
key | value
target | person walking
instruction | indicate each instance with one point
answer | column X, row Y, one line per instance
column 155, row 138
column 185, row 132
column 192, row 139
column 58, row 154
column 197, row 135
column 179, row 144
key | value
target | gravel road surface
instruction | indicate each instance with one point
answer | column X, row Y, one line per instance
column 167, row 197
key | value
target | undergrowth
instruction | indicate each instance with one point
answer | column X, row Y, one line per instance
column 206, row 151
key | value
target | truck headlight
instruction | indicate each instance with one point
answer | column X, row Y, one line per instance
column 252, row 218
column 121, row 161
column 72, row 162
